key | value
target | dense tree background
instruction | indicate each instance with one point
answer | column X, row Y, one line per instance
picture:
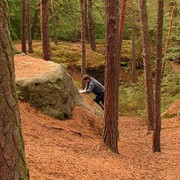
column 69, row 24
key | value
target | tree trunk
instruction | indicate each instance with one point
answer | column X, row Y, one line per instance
column 45, row 30
column 83, row 41
column 157, row 101
column 30, row 48
column 54, row 22
column 86, row 23
column 168, row 36
column 147, row 67
column 121, row 27
column 12, row 154
column 23, row 26
column 110, row 132
column 133, row 44
column 35, row 21
column 91, row 26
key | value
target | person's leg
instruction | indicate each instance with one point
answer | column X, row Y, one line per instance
column 100, row 98
column 101, row 106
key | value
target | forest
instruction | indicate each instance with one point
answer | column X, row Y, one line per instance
column 132, row 47
column 68, row 29
column 68, row 26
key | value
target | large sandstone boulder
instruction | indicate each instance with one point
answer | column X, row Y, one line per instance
column 53, row 91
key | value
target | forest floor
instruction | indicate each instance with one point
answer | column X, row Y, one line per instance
column 72, row 149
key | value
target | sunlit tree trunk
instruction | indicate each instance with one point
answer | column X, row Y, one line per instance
column 30, row 48
column 110, row 132
column 54, row 22
column 147, row 67
column 83, row 41
column 91, row 26
column 157, row 100
column 133, row 43
column 12, row 153
column 23, row 26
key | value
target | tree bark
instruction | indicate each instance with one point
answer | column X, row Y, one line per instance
column 54, row 22
column 147, row 67
column 45, row 30
column 23, row 26
column 157, row 101
column 168, row 36
column 86, row 22
column 12, row 154
column 121, row 27
column 133, row 43
column 35, row 21
column 91, row 26
column 83, row 40
column 110, row 132
column 30, row 48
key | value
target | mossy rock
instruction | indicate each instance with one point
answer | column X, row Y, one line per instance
column 54, row 93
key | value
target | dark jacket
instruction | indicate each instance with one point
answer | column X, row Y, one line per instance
column 94, row 86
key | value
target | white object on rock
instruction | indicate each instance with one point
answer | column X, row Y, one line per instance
column 82, row 91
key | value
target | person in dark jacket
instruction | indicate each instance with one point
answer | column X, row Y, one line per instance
column 92, row 85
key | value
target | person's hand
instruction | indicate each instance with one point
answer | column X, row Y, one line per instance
column 81, row 91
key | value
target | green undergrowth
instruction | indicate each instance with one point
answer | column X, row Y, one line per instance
column 132, row 96
column 170, row 89
column 69, row 54
column 168, row 116
column 132, row 99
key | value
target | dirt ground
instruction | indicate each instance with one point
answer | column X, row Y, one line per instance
column 72, row 149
